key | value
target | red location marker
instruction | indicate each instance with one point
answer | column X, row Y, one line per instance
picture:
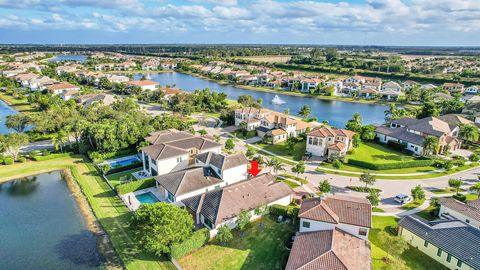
column 254, row 168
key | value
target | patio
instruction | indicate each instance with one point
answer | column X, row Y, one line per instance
column 133, row 203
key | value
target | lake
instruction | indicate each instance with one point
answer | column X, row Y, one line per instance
column 4, row 111
column 69, row 57
column 41, row 226
column 336, row 112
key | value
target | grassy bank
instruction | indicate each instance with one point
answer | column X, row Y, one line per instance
column 20, row 105
column 107, row 207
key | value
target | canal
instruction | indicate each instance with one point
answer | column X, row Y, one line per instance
column 336, row 112
column 42, row 227
column 4, row 111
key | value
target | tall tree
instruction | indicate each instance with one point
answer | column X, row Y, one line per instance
column 468, row 132
column 299, row 168
column 368, row 179
column 455, row 184
column 355, row 124
column 17, row 122
column 305, row 111
column 13, row 142
column 324, row 187
column 430, row 145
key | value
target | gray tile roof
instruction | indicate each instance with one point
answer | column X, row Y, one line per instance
column 429, row 125
column 221, row 161
column 188, row 180
column 458, row 239
column 329, row 250
column 401, row 134
column 470, row 209
column 163, row 151
column 226, row 203
column 338, row 209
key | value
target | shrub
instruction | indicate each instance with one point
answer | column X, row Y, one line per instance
column 393, row 165
column 448, row 165
column 460, row 197
column 125, row 168
column 363, row 189
column 8, row 161
column 459, row 162
column 51, row 156
column 196, row 240
column 396, row 145
column 22, row 159
column 135, row 185
column 290, row 211
column 474, row 157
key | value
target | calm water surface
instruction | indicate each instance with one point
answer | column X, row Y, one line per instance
column 41, row 227
column 336, row 112
column 69, row 57
column 4, row 111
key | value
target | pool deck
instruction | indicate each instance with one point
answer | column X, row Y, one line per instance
column 110, row 161
column 132, row 202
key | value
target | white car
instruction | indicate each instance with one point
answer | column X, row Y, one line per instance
column 402, row 198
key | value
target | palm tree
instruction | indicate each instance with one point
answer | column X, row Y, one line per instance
column 430, row 145
column 270, row 163
column 59, row 139
column 305, row 111
column 278, row 166
column 476, row 188
column 468, row 133
column 391, row 113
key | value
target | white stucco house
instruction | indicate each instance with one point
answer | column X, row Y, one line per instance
column 325, row 142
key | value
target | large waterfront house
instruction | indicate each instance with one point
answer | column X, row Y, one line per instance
column 144, row 85
column 451, row 242
column 220, row 206
column 390, row 90
column 333, row 234
column 266, row 122
column 174, row 150
column 454, row 87
column 90, row 99
column 412, row 132
column 329, row 142
column 65, row 90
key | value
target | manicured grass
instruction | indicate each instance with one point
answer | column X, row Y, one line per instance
column 288, row 182
column 376, row 153
column 281, row 150
column 110, row 211
column 115, row 178
column 378, row 210
column 351, row 168
column 425, row 214
column 20, row 105
column 471, row 197
column 261, row 247
column 413, row 258
column 250, row 134
column 413, row 204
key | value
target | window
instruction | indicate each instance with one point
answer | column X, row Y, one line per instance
column 170, row 197
column 459, row 263
column 467, row 221
column 362, row 231
column 449, row 258
column 154, row 162
column 439, row 253
column 179, row 159
column 425, row 244
column 306, row 224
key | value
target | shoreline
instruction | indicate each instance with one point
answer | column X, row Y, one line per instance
column 268, row 90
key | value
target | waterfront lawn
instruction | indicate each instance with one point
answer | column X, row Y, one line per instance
column 281, row 150
column 412, row 257
column 116, row 178
column 261, row 247
column 110, row 211
column 376, row 153
column 20, row 105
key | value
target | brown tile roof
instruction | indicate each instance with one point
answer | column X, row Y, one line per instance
column 62, row 86
column 338, row 209
column 226, row 203
column 470, row 209
column 338, row 146
column 329, row 250
column 163, row 151
column 278, row 131
column 165, row 136
column 251, row 110
column 325, row 132
column 181, row 140
column 171, row 91
column 142, row 83
column 188, row 180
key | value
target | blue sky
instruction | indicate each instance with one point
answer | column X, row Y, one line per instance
column 354, row 22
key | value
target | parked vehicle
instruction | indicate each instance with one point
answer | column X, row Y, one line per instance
column 402, row 198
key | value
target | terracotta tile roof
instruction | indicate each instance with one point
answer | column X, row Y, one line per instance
column 62, row 86
column 171, row 91
column 251, row 110
column 338, row 209
column 329, row 250
column 142, row 83
column 338, row 146
column 226, row 203
column 325, row 132
column 278, row 131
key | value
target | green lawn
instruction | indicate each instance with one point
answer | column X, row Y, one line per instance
column 115, row 178
column 413, row 258
column 413, row 204
column 376, row 153
column 250, row 134
column 20, row 105
column 288, row 182
column 281, row 150
column 351, row 168
column 261, row 248
column 110, row 211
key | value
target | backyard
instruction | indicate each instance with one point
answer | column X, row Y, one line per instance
column 281, row 150
column 413, row 258
column 376, row 153
column 117, row 178
column 261, row 247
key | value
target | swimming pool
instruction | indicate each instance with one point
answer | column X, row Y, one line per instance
column 123, row 162
column 146, row 198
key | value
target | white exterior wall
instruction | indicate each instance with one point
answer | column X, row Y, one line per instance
column 166, row 165
column 232, row 222
column 316, row 149
column 195, row 193
column 321, row 226
column 234, row 175
column 149, row 87
column 460, row 216
column 418, row 150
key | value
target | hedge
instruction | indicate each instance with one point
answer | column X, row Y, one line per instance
column 50, row 156
column 8, row 161
column 135, row 185
column 290, row 211
column 460, row 197
column 362, row 189
column 125, row 168
column 393, row 165
column 196, row 240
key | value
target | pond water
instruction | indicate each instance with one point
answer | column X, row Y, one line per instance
column 41, row 226
column 69, row 57
column 4, row 111
column 336, row 112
